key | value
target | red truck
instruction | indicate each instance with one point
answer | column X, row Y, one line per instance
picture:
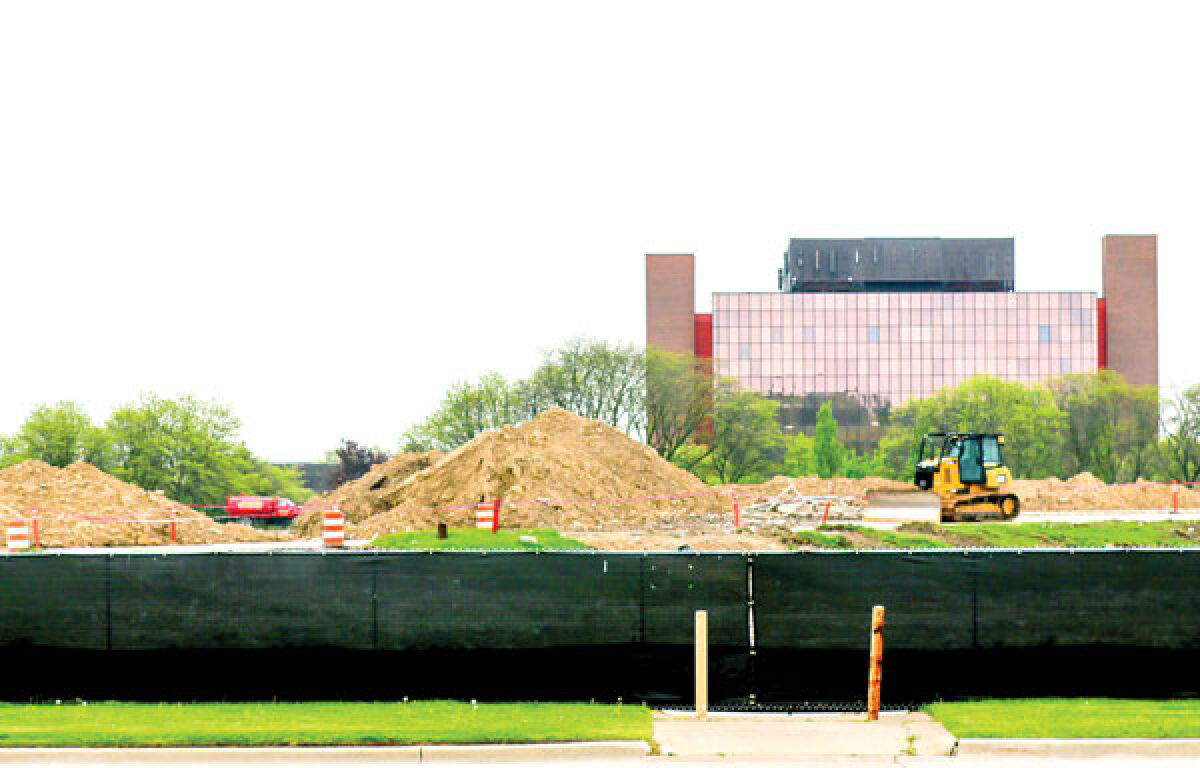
column 263, row 510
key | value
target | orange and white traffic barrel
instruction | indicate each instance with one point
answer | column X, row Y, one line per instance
column 333, row 528
column 17, row 533
column 487, row 517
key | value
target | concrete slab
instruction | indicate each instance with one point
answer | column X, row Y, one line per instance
column 522, row 753
column 756, row 736
column 1079, row 748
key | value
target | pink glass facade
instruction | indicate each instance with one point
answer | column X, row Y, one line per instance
column 888, row 347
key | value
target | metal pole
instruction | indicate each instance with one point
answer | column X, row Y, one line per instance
column 876, row 675
column 701, row 664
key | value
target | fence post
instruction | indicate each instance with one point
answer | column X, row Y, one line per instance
column 1175, row 498
column 876, row 675
column 737, row 511
column 701, row 664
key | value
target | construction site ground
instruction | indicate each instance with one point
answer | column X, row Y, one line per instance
column 556, row 471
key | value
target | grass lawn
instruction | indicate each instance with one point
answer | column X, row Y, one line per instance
column 473, row 538
column 1070, row 719
column 110, row 724
column 1003, row 535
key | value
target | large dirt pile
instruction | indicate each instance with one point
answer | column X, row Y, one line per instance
column 81, row 506
column 361, row 498
column 543, row 469
column 1085, row 491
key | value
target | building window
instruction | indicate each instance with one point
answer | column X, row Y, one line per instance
column 1064, row 366
column 873, row 334
column 744, row 351
column 1044, row 333
column 810, row 333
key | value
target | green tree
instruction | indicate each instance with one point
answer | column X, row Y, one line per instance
column 592, row 378
column 1028, row 416
column 828, row 453
column 59, row 434
column 800, row 460
column 188, row 448
column 678, row 403
column 1111, row 428
column 746, row 440
column 1181, row 445
column 465, row 411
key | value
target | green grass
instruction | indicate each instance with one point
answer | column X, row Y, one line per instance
column 117, row 724
column 1069, row 719
column 1098, row 535
column 813, row 539
column 1077, row 535
column 474, row 539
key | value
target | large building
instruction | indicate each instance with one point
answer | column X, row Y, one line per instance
column 869, row 323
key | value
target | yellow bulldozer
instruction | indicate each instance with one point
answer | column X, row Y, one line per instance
column 960, row 477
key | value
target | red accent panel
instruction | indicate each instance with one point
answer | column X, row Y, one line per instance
column 703, row 341
column 1101, row 334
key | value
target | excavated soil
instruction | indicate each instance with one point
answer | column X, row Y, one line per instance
column 81, row 506
column 1085, row 491
column 557, row 470
column 361, row 498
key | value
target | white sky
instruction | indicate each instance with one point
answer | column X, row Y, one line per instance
column 323, row 213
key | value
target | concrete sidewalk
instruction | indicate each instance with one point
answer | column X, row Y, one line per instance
column 756, row 736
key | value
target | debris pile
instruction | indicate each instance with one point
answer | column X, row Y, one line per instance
column 556, row 470
column 363, row 497
column 81, row 506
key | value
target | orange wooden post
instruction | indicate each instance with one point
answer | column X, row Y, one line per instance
column 737, row 511
column 1175, row 497
column 174, row 535
column 825, row 517
column 876, row 675
column 37, row 535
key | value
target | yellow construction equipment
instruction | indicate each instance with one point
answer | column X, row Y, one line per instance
column 961, row 476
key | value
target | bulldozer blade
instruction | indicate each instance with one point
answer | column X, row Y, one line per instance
column 902, row 507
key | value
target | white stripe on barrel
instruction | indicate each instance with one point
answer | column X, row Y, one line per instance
column 485, row 515
column 17, row 533
column 333, row 528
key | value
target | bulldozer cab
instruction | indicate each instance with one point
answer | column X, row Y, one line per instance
column 974, row 452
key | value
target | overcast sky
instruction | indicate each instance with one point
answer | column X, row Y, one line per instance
column 324, row 213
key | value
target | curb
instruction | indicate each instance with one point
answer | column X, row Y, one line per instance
column 1078, row 748
column 450, row 753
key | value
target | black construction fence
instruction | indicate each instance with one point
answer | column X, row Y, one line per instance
column 786, row 630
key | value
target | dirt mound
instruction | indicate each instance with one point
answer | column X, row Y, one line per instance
column 1086, row 492
column 361, row 498
column 542, row 469
column 1085, row 478
column 81, row 506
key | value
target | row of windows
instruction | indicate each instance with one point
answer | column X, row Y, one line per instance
column 901, row 318
column 994, row 366
column 872, row 334
column 931, row 300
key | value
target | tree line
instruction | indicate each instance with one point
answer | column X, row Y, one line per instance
column 705, row 423
column 712, row 427
column 185, row 447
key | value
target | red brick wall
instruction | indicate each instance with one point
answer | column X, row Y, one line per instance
column 670, row 301
column 1131, row 306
